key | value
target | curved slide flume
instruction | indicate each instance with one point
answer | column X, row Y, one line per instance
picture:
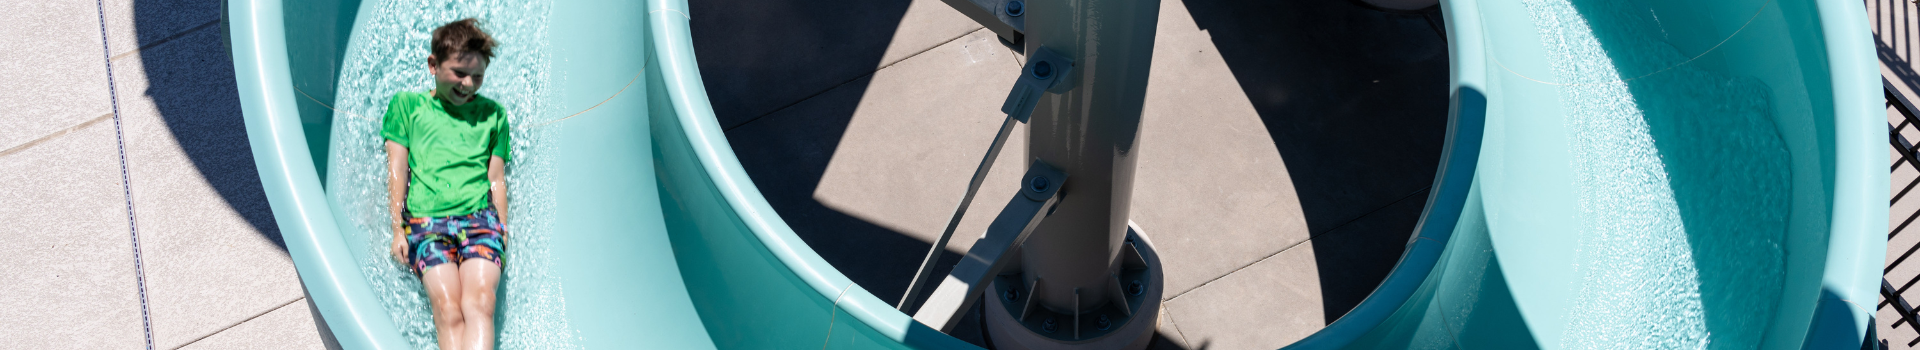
column 1646, row 174
column 620, row 286
column 667, row 243
column 1553, row 101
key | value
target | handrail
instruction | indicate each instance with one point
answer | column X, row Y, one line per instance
column 1905, row 149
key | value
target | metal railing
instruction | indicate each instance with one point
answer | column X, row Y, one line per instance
column 1891, row 296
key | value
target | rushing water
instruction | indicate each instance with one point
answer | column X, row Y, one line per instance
column 1682, row 180
column 387, row 54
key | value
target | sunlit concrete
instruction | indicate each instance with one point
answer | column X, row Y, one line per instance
column 70, row 278
column 194, row 187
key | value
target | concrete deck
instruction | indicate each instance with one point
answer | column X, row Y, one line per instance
column 1896, row 31
column 154, row 152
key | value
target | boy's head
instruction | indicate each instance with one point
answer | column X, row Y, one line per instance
column 459, row 60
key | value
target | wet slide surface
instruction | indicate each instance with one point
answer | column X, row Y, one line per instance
column 583, row 165
column 1646, row 175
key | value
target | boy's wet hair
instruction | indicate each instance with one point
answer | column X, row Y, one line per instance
column 460, row 37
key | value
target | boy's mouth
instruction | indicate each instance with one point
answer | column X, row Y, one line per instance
column 460, row 95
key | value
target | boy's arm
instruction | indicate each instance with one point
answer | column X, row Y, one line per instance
column 497, row 186
column 397, row 175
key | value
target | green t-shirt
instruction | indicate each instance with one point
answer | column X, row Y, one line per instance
column 448, row 148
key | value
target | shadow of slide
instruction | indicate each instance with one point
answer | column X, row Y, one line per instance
column 191, row 79
column 1355, row 100
column 785, row 78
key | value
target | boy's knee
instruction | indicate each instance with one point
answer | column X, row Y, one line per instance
column 449, row 313
column 477, row 304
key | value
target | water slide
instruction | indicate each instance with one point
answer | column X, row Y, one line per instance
column 1646, row 174
column 1515, row 249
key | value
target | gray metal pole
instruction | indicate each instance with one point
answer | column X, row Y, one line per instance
column 1092, row 132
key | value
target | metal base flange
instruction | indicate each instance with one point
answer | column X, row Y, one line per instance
column 1004, row 310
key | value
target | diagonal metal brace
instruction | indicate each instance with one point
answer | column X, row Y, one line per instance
column 911, row 298
column 1040, row 190
column 1046, row 71
column 1039, row 76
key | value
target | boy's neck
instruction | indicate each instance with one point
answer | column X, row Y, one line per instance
column 443, row 98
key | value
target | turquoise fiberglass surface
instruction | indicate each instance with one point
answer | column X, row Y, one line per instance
column 1651, row 174
column 1508, row 190
column 288, row 61
column 749, row 282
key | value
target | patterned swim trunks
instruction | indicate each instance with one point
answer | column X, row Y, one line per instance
column 455, row 239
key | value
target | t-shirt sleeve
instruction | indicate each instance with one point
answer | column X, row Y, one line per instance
column 502, row 135
column 398, row 123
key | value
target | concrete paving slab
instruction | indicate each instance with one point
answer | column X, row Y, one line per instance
column 1265, row 306
column 757, row 56
column 1900, row 212
column 133, row 24
column 213, row 252
column 1354, row 99
column 1210, row 186
column 1897, row 42
column 287, row 327
column 1896, row 338
column 1167, row 333
column 1271, row 304
column 56, row 76
column 1352, row 260
column 1903, row 241
column 70, row 271
column 1895, row 39
column 869, row 176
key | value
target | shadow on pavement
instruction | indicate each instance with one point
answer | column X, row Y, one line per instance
column 1356, row 102
column 192, row 85
column 1897, row 61
column 759, row 57
column 1354, row 99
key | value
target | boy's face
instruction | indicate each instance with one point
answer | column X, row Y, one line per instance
column 458, row 77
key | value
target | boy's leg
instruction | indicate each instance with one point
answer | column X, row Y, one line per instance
column 444, row 291
column 479, row 278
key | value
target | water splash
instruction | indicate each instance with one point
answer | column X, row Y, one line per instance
column 1682, row 179
column 387, row 55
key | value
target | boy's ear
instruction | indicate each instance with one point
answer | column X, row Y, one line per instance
column 432, row 62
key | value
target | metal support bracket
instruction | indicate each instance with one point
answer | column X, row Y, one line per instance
column 1044, row 72
column 1039, row 76
column 1040, row 190
column 1003, row 17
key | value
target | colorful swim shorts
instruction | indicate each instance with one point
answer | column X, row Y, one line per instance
column 455, row 239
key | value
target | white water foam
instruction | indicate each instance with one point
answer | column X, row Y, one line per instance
column 1682, row 180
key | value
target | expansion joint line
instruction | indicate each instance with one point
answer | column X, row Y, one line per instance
column 126, row 181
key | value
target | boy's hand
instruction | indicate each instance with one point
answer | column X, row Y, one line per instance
column 400, row 245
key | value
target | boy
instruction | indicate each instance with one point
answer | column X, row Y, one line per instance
column 449, row 221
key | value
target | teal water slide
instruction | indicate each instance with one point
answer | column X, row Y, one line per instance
column 1506, row 255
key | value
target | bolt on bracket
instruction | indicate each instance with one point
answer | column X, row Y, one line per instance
column 1044, row 72
column 1003, row 17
